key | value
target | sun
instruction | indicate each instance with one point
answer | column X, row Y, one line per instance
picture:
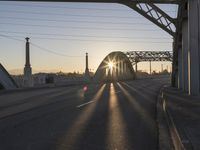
column 110, row 65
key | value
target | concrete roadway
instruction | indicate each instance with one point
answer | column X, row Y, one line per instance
column 113, row 116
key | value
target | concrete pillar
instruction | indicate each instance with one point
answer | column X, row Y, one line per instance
column 194, row 47
column 185, row 54
column 180, row 69
column 87, row 73
column 28, row 80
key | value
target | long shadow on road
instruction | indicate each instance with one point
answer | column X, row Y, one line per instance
column 119, row 116
column 139, row 115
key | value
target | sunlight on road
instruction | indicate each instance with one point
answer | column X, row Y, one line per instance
column 116, row 138
column 137, row 106
column 73, row 133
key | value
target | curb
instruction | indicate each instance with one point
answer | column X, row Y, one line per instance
column 164, row 138
column 175, row 136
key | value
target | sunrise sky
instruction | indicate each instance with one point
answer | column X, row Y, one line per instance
column 61, row 34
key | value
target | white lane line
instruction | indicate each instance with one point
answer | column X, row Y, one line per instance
column 91, row 101
column 84, row 104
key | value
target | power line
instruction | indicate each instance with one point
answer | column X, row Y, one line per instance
column 90, row 36
column 87, row 40
column 67, row 14
column 109, row 41
column 77, row 21
column 72, row 27
column 10, row 37
column 67, row 7
column 50, row 51
column 35, row 45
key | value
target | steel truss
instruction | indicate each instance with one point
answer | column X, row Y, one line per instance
column 141, row 56
column 156, row 15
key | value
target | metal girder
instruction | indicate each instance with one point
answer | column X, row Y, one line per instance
column 140, row 56
column 182, row 14
column 155, row 15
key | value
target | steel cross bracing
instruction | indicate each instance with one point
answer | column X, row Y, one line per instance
column 140, row 56
column 156, row 15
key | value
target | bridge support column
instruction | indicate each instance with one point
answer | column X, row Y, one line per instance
column 180, row 69
column 194, row 47
column 185, row 54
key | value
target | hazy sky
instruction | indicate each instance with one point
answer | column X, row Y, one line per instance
column 72, row 29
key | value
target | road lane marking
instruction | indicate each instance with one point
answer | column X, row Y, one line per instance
column 84, row 104
column 118, row 92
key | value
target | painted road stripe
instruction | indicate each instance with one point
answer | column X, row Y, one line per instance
column 118, row 91
column 91, row 101
column 84, row 104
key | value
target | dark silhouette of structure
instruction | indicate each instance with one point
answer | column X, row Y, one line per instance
column 28, row 80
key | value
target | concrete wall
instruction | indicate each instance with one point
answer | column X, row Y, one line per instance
column 6, row 80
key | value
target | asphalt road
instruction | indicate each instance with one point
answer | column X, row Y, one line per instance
column 112, row 116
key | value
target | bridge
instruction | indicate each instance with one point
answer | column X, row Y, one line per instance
column 132, row 114
column 119, row 65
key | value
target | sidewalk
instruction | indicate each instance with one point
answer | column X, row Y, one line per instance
column 183, row 116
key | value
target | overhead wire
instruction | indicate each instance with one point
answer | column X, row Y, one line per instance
column 51, row 51
column 91, row 40
column 76, row 21
column 80, row 28
column 107, row 41
column 68, row 14
column 10, row 37
column 39, row 47
column 70, row 7
column 79, row 35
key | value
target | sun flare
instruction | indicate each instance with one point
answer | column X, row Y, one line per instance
column 110, row 65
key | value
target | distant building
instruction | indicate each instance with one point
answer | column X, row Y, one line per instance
column 43, row 78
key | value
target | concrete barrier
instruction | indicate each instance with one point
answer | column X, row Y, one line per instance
column 6, row 80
